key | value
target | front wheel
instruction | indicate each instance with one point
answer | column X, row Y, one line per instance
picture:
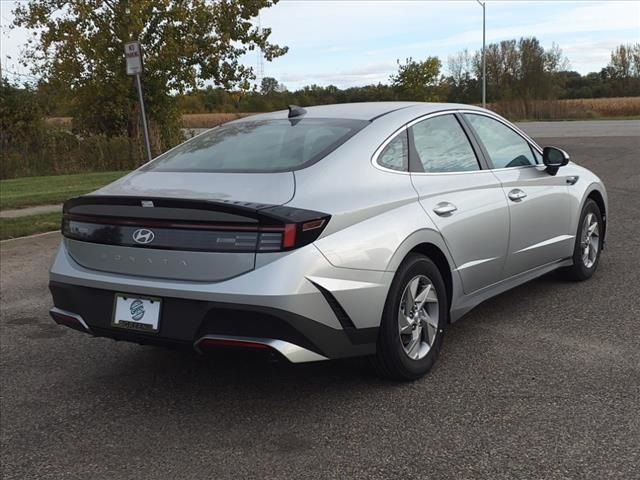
column 413, row 320
column 588, row 245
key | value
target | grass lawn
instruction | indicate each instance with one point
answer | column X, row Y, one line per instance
column 29, row 191
column 22, row 226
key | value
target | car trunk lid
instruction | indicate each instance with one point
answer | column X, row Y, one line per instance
column 181, row 238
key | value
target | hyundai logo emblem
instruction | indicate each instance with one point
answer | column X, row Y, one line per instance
column 143, row 236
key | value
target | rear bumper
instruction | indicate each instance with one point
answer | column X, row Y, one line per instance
column 279, row 305
column 185, row 323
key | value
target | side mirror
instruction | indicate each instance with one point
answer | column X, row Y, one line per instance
column 554, row 158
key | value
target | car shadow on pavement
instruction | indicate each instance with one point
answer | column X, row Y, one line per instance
column 246, row 376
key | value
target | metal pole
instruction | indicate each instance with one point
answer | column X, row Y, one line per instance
column 484, row 59
column 145, row 129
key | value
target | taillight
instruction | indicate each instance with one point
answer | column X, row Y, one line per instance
column 193, row 236
column 291, row 235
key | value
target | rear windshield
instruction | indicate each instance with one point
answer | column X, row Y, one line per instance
column 259, row 146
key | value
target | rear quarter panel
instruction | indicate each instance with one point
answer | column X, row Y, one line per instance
column 373, row 212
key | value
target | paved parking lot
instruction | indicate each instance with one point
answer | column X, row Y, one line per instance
column 541, row 382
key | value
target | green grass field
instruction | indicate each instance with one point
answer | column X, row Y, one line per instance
column 29, row 191
column 22, row 226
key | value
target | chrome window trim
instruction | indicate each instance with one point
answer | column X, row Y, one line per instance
column 486, row 113
column 406, row 126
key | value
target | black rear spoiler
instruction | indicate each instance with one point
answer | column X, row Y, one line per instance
column 182, row 209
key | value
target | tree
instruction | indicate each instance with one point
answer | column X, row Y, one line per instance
column 78, row 44
column 623, row 70
column 463, row 85
column 417, row 80
column 269, row 85
column 20, row 114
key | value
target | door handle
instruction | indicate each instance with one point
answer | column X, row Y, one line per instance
column 516, row 195
column 445, row 208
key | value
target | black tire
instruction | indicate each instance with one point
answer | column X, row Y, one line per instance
column 390, row 360
column 579, row 271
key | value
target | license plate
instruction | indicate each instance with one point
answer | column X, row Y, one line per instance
column 137, row 313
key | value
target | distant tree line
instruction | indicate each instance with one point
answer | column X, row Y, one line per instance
column 81, row 71
column 521, row 70
column 516, row 70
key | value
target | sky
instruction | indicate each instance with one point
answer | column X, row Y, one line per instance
column 357, row 42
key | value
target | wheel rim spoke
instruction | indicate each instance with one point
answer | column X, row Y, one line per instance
column 429, row 320
column 406, row 326
column 432, row 331
column 411, row 293
column 422, row 297
column 413, row 349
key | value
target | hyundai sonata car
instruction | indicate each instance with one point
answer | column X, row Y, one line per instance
column 326, row 232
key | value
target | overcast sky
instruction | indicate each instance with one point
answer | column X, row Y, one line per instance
column 348, row 43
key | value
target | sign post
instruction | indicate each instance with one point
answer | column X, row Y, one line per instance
column 133, row 55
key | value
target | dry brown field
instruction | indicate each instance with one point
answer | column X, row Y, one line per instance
column 580, row 108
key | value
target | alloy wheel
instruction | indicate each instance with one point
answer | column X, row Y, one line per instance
column 590, row 240
column 418, row 317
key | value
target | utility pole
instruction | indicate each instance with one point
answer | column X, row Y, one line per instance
column 484, row 53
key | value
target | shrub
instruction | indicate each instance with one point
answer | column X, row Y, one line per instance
column 52, row 150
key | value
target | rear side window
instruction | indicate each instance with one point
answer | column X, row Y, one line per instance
column 259, row 146
column 395, row 155
column 505, row 147
column 442, row 146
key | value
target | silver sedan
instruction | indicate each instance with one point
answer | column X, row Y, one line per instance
column 326, row 232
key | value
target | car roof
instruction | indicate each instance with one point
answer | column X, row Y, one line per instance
column 360, row 111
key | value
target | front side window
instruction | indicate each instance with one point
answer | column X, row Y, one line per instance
column 537, row 155
column 259, row 146
column 396, row 154
column 505, row 147
column 442, row 146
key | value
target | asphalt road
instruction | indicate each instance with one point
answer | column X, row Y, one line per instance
column 540, row 382
column 583, row 128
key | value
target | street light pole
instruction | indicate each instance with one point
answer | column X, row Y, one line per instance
column 484, row 52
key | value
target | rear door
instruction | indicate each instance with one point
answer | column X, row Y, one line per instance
column 539, row 203
column 464, row 200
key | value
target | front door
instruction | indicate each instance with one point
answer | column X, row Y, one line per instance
column 539, row 205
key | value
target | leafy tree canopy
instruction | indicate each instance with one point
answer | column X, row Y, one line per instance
column 416, row 79
column 78, row 45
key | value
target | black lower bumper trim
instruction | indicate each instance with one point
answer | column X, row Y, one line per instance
column 183, row 321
